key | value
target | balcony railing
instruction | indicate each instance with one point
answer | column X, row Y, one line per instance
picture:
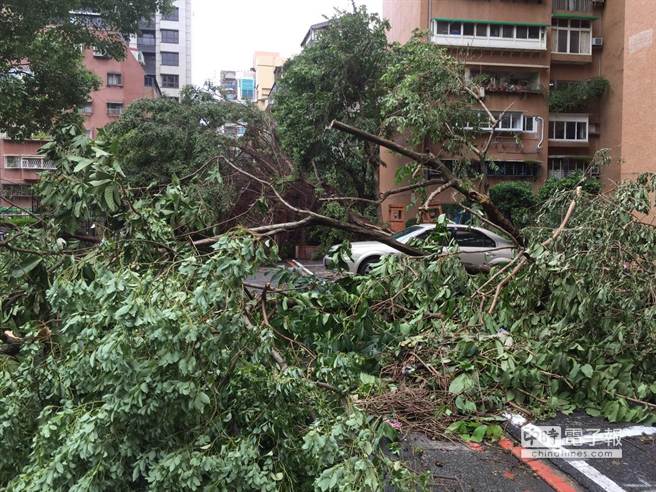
column 572, row 5
column 35, row 163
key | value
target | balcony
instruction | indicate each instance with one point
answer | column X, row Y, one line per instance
column 569, row 130
column 34, row 163
column 578, row 6
column 468, row 33
column 506, row 82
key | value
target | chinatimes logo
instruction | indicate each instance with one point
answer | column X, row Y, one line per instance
column 553, row 441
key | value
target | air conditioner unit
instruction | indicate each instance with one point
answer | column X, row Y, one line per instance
column 594, row 129
column 598, row 42
column 598, row 3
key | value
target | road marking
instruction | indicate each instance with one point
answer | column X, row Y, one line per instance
column 552, row 477
column 583, row 467
column 302, row 267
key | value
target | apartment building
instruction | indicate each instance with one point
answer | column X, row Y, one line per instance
column 122, row 82
column 238, row 85
column 524, row 49
column 165, row 41
column 265, row 65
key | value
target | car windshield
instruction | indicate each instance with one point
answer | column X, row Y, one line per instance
column 406, row 232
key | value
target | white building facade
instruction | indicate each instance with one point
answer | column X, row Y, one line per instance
column 165, row 41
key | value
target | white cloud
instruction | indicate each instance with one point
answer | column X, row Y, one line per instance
column 226, row 33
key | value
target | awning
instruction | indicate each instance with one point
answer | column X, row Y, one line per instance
column 565, row 15
column 486, row 21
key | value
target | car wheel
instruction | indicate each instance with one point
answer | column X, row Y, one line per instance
column 366, row 266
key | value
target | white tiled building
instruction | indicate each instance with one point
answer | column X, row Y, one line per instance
column 165, row 41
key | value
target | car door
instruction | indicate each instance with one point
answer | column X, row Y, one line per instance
column 474, row 247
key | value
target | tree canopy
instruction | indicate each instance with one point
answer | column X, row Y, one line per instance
column 338, row 76
column 42, row 79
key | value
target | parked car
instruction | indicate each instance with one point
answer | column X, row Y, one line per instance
column 479, row 249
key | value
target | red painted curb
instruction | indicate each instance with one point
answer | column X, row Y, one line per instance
column 554, row 478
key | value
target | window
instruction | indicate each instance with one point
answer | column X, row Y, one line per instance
column 572, row 36
column 561, row 167
column 469, row 238
column 170, row 36
column 114, row 109
column 16, row 190
column 146, row 39
column 172, row 15
column 13, row 162
column 519, row 169
column 568, row 128
column 529, row 124
column 467, row 33
column 87, row 109
column 29, row 162
column 170, row 81
column 510, row 121
column 170, row 58
column 150, row 80
column 150, row 62
column 114, row 80
column 100, row 53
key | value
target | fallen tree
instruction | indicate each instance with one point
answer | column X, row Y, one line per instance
column 163, row 367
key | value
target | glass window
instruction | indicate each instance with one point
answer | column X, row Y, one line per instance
column 114, row 109
column 495, row 31
column 522, row 32
column 570, row 130
column 170, row 36
column 172, row 15
column 481, row 30
column 533, row 32
column 562, row 41
column 442, row 27
column 150, row 62
column 574, row 42
column 582, row 132
column 508, row 31
column 471, row 239
column 404, row 232
column 114, row 79
column 170, row 58
column 170, row 81
column 468, row 29
column 529, row 124
column 149, row 80
column 455, row 28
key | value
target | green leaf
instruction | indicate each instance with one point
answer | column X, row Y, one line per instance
column 587, row 370
column 461, row 384
column 109, row 198
column 479, row 433
column 26, row 267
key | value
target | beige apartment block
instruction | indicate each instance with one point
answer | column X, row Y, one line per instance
column 527, row 47
column 264, row 65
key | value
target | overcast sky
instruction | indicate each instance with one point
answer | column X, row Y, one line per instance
column 225, row 33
